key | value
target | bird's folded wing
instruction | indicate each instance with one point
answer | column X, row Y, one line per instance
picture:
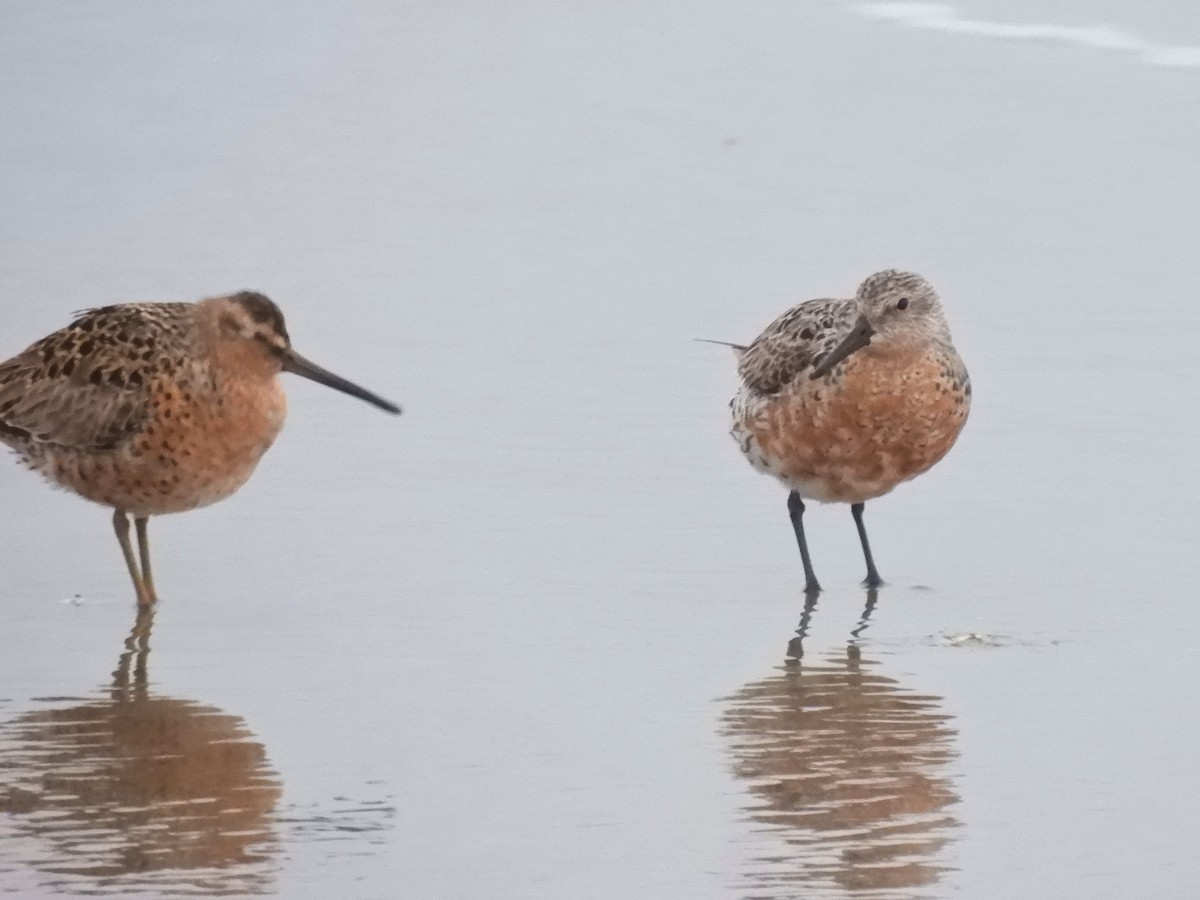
column 53, row 394
column 794, row 343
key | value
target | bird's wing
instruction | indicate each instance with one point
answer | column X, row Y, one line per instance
column 85, row 387
column 795, row 342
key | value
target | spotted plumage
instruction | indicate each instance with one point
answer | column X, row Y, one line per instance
column 842, row 400
column 154, row 408
column 793, row 343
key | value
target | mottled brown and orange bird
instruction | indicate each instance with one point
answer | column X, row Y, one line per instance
column 842, row 400
column 154, row 408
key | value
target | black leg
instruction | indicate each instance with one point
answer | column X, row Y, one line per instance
column 796, row 511
column 873, row 580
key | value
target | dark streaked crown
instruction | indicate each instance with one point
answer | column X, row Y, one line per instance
column 262, row 310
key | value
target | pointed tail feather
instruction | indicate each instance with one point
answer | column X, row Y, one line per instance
column 739, row 349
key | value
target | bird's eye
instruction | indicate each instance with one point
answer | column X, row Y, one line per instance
column 902, row 303
column 271, row 342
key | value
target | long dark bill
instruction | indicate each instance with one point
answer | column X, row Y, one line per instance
column 860, row 335
column 296, row 364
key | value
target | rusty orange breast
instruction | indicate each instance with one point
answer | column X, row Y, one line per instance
column 887, row 417
column 203, row 436
column 212, row 443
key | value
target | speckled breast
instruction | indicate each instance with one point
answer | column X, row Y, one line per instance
column 197, row 447
column 876, row 421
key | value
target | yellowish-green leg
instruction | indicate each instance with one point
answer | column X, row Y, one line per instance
column 144, row 552
column 121, row 527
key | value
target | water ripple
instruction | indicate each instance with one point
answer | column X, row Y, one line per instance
column 945, row 17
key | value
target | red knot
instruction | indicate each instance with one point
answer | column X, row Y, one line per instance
column 842, row 400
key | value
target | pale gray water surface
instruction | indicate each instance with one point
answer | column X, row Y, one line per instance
column 528, row 640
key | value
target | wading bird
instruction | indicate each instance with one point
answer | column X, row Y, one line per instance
column 842, row 400
column 154, row 408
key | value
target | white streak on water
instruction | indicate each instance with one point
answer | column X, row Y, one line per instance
column 944, row 17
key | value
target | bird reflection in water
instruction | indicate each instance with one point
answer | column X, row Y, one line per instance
column 134, row 792
column 847, row 768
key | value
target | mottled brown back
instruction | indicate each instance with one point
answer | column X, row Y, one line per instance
column 795, row 342
column 85, row 386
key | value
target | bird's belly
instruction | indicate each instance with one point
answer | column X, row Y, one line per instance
column 855, row 438
column 193, row 458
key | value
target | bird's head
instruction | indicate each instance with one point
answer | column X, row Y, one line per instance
column 250, row 327
column 893, row 307
column 899, row 303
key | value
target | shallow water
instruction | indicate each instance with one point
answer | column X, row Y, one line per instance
column 530, row 639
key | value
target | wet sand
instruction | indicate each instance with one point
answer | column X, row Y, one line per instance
column 531, row 639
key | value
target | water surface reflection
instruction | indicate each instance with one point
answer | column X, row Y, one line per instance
column 133, row 791
column 847, row 770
